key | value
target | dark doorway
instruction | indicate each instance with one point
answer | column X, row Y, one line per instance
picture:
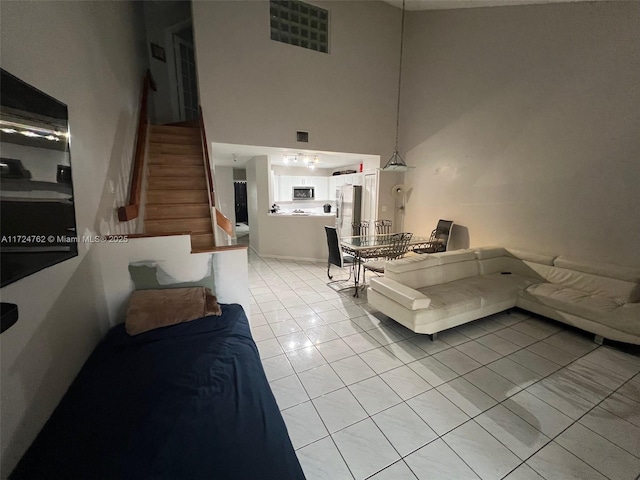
column 242, row 214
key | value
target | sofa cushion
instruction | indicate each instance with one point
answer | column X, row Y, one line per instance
column 448, row 299
column 532, row 257
column 454, row 256
column 593, row 307
column 459, row 270
column 628, row 274
column 405, row 296
column 495, row 288
column 484, row 253
column 618, row 290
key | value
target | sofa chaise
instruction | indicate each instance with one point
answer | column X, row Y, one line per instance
column 431, row 293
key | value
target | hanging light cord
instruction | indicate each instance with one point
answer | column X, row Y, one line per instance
column 400, row 76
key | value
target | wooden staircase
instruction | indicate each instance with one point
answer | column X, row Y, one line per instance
column 177, row 197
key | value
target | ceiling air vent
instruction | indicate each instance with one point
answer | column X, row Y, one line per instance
column 302, row 137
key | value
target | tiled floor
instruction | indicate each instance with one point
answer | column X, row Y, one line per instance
column 510, row 396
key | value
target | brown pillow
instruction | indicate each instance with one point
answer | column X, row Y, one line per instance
column 149, row 309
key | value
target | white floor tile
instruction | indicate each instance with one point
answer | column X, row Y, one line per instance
column 623, row 407
column 300, row 311
column 615, row 429
column 397, row 471
column 305, row 358
column 452, row 337
column 590, row 368
column 310, row 321
column 478, row 352
column 385, row 335
column 516, row 337
column 276, row 316
column 322, row 461
column 339, row 409
column 457, row 361
column 556, row 355
column 345, row 328
column 481, row 451
column 361, row 342
column 492, row 384
column 277, row 367
column 431, row 370
column 374, row 395
column 352, row 369
column 406, row 351
column 335, row 350
column 294, row 341
column 573, row 382
column 540, row 415
column 404, row 428
column 498, row 344
column 405, row 382
column 365, row 449
column 381, row 360
column 288, row 392
column 437, row 411
column 466, row 397
column 261, row 333
column 514, row 372
column 320, row 380
column 429, row 346
column 285, row 327
column 304, row 424
column 523, row 472
column 554, row 462
column 565, row 401
column 572, row 342
column 269, row 348
column 320, row 334
column 531, row 330
column 270, row 306
column 631, row 389
column 534, row 362
column 516, row 434
column 598, row 452
column 437, row 461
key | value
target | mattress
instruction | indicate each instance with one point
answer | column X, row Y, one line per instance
column 187, row 401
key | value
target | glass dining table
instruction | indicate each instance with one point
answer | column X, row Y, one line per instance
column 374, row 246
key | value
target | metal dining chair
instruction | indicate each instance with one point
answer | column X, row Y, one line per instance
column 360, row 229
column 439, row 240
column 396, row 246
column 383, row 226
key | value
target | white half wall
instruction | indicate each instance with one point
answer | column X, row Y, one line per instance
column 225, row 194
column 256, row 91
column 524, row 125
column 87, row 55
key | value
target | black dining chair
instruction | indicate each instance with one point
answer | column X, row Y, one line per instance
column 336, row 257
column 396, row 247
column 439, row 239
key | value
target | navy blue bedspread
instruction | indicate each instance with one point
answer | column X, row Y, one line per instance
column 190, row 401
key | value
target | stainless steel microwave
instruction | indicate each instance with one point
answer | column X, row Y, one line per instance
column 303, row 193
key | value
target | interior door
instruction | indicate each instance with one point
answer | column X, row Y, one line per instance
column 242, row 212
column 187, row 78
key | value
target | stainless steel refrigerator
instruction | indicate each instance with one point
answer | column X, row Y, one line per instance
column 348, row 208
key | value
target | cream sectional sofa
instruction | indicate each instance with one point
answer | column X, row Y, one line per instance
column 431, row 293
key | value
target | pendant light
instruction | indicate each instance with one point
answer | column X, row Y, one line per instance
column 396, row 162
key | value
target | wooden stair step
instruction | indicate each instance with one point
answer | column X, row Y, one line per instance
column 176, row 171
column 187, row 123
column 202, row 241
column 177, row 183
column 178, row 210
column 175, row 139
column 174, row 149
column 194, row 225
column 176, row 130
column 165, row 197
column 176, row 160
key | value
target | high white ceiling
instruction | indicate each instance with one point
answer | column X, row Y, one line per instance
column 451, row 4
column 232, row 155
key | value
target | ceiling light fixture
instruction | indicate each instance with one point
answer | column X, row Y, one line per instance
column 396, row 162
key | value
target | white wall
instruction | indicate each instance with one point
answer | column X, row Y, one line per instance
column 524, row 125
column 87, row 55
column 257, row 169
column 257, row 91
column 172, row 255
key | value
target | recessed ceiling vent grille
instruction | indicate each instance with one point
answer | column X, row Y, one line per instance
column 302, row 136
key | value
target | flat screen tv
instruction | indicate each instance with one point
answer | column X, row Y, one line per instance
column 37, row 214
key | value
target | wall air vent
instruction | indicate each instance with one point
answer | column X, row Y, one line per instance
column 302, row 136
